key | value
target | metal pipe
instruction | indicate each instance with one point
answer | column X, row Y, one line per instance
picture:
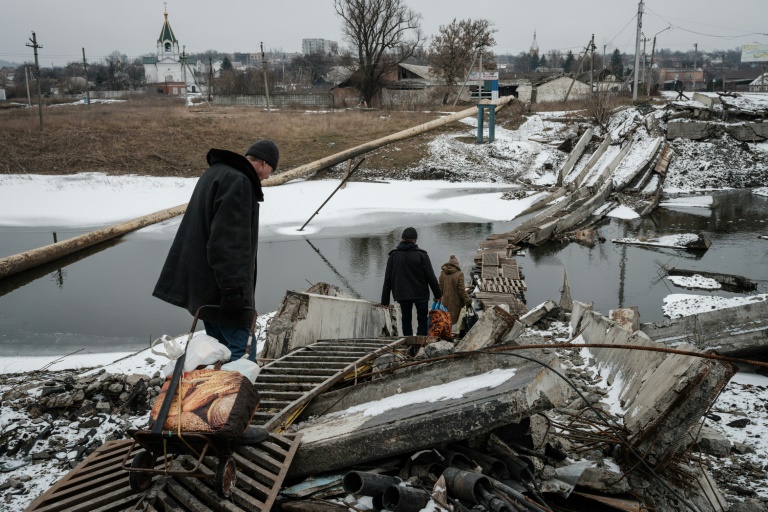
column 332, row 193
column 405, row 499
column 366, row 483
column 465, row 485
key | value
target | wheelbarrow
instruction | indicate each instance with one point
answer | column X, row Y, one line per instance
column 171, row 444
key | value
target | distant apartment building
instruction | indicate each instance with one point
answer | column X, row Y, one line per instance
column 323, row 46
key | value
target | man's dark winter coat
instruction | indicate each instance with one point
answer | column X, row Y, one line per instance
column 213, row 256
column 409, row 275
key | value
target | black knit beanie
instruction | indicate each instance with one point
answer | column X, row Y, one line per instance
column 410, row 234
column 265, row 150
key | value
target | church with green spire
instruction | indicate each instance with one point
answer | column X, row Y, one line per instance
column 165, row 71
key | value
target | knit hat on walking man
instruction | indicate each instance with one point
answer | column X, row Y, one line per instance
column 409, row 234
column 265, row 150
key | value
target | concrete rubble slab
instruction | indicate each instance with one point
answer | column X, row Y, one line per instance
column 347, row 435
column 736, row 331
column 490, row 328
column 663, row 395
column 303, row 318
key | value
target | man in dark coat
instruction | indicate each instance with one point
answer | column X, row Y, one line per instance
column 408, row 277
column 212, row 260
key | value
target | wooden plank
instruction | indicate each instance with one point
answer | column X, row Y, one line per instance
column 490, row 259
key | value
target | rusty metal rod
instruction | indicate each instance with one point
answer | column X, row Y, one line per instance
column 332, row 193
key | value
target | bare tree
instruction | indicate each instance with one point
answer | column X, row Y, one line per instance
column 379, row 31
column 451, row 51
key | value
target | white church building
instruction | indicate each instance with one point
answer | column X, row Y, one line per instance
column 165, row 72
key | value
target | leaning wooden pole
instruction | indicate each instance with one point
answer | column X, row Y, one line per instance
column 36, row 257
column 338, row 158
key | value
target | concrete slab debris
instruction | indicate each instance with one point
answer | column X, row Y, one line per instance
column 490, row 328
column 304, row 318
column 736, row 331
column 351, row 432
column 663, row 395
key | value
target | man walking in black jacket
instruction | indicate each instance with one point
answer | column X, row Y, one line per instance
column 213, row 257
column 408, row 277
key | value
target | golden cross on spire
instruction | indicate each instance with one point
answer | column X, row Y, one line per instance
column 166, row 8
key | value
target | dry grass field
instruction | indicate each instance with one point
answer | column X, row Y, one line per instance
column 162, row 137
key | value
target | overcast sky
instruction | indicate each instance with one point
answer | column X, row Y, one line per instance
column 132, row 27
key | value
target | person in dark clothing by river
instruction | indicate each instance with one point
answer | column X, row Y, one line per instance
column 409, row 277
column 213, row 257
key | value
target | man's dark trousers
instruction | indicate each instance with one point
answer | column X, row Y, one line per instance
column 406, row 308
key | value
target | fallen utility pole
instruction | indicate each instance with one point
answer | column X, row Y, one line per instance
column 343, row 156
column 30, row 259
column 332, row 193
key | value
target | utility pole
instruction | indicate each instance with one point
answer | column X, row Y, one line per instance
column 604, row 47
column 648, row 82
column 592, row 67
column 35, row 46
column 645, row 66
column 581, row 65
column 184, row 72
column 695, row 59
column 87, row 87
column 210, row 77
column 482, row 83
column 723, row 73
column 264, row 68
column 26, row 80
column 637, row 49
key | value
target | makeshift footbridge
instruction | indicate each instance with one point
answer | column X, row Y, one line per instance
column 583, row 193
column 286, row 386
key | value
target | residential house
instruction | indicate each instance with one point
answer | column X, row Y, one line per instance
column 692, row 79
column 759, row 84
column 739, row 79
column 7, row 75
column 555, row 89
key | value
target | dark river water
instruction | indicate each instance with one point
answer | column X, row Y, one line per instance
column 101, row 301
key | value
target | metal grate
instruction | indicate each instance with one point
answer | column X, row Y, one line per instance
column 286, row 386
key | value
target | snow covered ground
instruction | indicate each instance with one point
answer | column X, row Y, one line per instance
column 90, row 200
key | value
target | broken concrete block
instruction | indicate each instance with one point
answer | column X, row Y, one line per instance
column 544, row 309
column 399, row 413
column 712, row 442
column 736, row 331
column 586, row 237
column 440, row 348
column 490, row 328
column 304, row 318
column 598, row 477
column 629, row 318
column 663, row 395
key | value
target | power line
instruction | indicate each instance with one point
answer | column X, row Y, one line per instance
column 705, row 24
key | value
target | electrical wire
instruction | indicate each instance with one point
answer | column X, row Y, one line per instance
column 702, row 33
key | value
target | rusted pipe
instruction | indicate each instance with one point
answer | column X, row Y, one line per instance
column 30, row 259
column 457, row 460
column 405, row 499
column 490, row 465
column 465, row 485
column 366, row 483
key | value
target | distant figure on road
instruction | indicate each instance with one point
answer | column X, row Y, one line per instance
column 455, row 294
column 213, row 257
column 408, row 277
